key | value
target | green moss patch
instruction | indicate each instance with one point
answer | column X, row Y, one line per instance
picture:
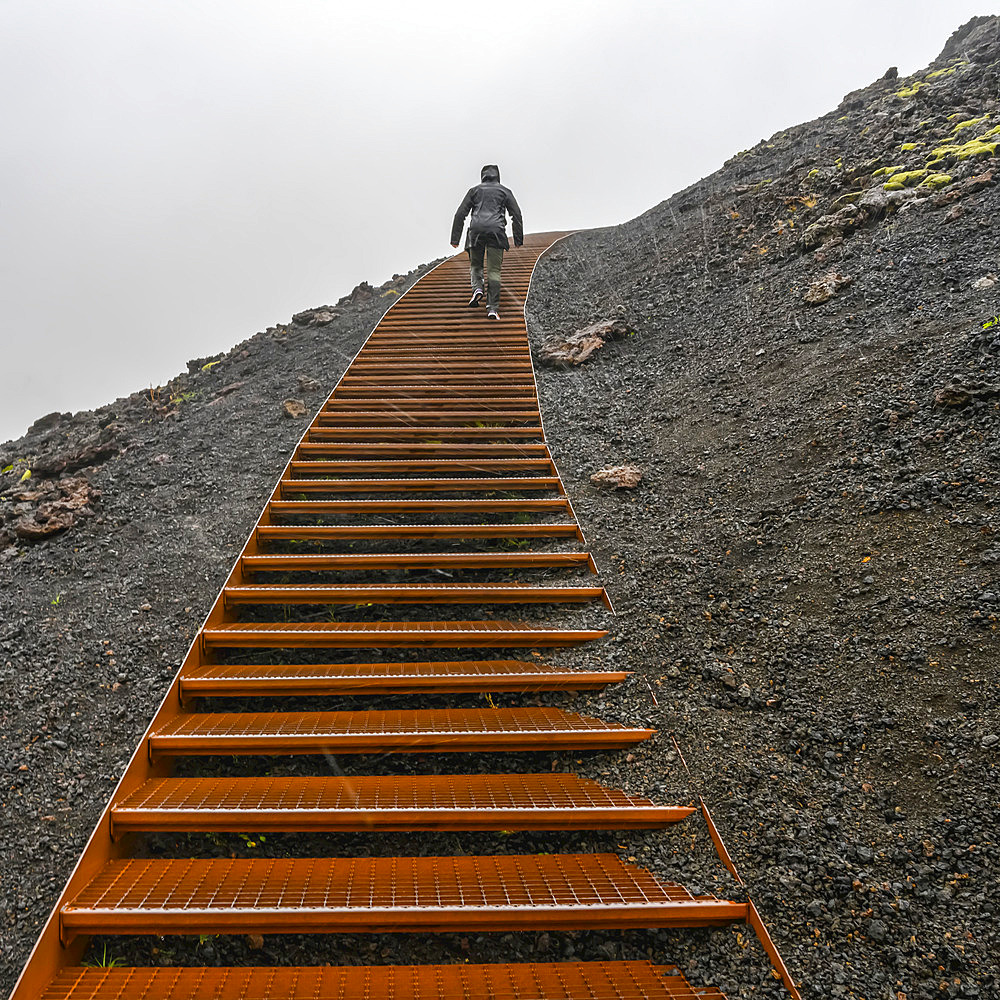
column 886, row 171
column 970, row 123
column 907, row 178
column 935, row 181
column 911, row 91
column 965, row 151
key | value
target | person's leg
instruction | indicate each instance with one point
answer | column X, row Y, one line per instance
column 494, row 260
column 476, row 264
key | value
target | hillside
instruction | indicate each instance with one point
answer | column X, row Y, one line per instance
column 806, row 578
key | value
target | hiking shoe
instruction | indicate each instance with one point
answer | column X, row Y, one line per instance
column 476, row 296
column 493, row 314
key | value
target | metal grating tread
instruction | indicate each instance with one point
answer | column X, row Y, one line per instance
column 476, row 464
column 561, row 529
column 407, row 560
column 408, row 730
column 441, row 448
column 521, row 981
column 376, row 895
column 493, row 633
column 538, row 484
column 402, row 593
column 392, row 802
column 410, row 506
column 388, row 678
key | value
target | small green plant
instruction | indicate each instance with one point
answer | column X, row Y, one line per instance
column 55, row 602
column 210, row 365
column 27, row 475
column 514, row 543
column 106, row 961
column 251, row 841
column 7, row 468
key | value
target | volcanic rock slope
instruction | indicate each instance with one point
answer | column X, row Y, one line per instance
column 805, row 578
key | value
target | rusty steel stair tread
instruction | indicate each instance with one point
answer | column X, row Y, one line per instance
column 245, row 680
column 552, row 529
column 371, row 418
column 352, row 635
column 474, row 464
column 387, row 803
column 523, row 391
column 632, row 980
column 499, row 380
column 533, row 504
column 403, row 593
column 542, row 484
column 441, row 449
column 388, row 434
column 408, row 560
column 442, row 730
column 384, row 895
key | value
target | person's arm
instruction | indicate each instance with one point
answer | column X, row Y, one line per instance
column 515, row 219
column 459, row 224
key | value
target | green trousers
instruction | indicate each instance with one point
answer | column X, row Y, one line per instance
column 494, row 259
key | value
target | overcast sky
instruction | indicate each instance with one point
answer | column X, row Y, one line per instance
column 176, row 175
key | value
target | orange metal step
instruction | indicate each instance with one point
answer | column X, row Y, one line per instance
column 499, row 380
column 451, row 433
column 439, row 730
column 386, row 803
column 535, row 981
column 300, row 532
column 493, row 484
column 423, row 448
column 553, row 506
column 429, row 419
column 471, row 387
column 384, row 895
column 407, row 560
column 400, row 593
column 497, row 634
column 361, row 467
column 247, row 680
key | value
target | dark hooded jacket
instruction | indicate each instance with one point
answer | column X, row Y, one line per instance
column 489, row 202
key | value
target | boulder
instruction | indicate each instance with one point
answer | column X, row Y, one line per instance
column 316, row 317
column 294, row 408
column 825, row 287
column 958, row 394
column 577, row 347
column 619, row 477
column 74, row 497
column 829, row 226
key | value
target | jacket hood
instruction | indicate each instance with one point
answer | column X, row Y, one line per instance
column 490, row 174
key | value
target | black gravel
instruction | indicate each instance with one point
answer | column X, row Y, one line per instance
column 806, row 579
